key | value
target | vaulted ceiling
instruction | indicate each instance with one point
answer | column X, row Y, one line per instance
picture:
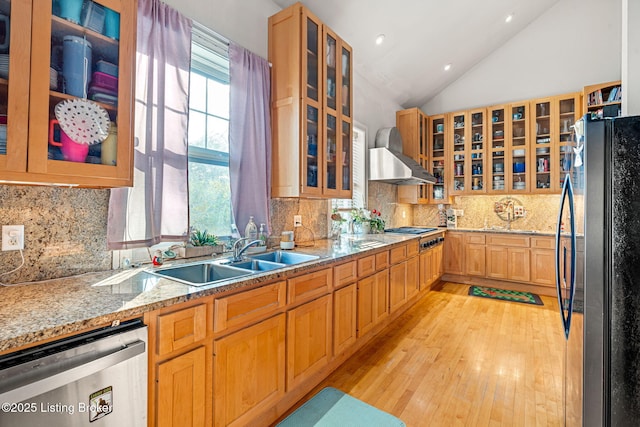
column 421, row 37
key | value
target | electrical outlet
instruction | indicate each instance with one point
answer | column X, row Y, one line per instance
column 12, row 237
column 297, row 220
column 459, row 212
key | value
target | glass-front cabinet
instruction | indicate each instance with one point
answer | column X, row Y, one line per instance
column 458, row 133
column 437, row 159
column 476, row 152
column 545, row 139
column 73, row 55
column 15, row 48
column 337, row 104
column 497, row 136
column 313, row 66
column 518, row 147
column 568, row 112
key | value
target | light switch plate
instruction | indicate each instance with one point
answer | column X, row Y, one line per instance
column 12, row 237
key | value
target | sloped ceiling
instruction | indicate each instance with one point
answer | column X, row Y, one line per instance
column 422, row 36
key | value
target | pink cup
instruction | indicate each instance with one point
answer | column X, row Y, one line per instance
column 71, row 150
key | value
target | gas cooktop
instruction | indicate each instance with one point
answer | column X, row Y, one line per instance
column 409, row 230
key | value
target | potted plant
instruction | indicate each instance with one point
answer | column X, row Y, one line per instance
column 376, row 223
column 360, row 218
column 202, row 243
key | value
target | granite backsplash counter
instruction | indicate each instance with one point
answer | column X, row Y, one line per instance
column 32, row 312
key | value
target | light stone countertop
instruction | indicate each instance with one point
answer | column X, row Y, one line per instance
column 37, row 311
column 504, row 231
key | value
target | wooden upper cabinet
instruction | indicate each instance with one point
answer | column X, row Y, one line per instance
column 312, row 107
column 437, row 132
column 552, row 155
column 413, row 126
column 37, row 42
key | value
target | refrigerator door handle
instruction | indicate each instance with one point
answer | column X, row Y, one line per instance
column 567, row 192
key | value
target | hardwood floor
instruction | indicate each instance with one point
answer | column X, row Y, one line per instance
column 454, row 360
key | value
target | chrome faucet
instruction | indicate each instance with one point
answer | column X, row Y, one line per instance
column 508, row 220
column 237, row 251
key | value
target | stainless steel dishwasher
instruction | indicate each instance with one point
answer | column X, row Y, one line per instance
column 96, row 379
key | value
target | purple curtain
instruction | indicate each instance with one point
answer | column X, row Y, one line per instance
column 156, row 208
column 249, row 136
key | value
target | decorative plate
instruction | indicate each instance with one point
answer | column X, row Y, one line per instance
column 83, row 121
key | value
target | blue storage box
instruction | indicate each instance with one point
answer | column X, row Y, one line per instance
column 92, row 16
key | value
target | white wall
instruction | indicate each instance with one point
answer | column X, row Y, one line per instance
column 245, row 22
column 630, row 57
column 573, row 44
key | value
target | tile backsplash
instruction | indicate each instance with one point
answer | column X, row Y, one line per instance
column 65, row 228
column 65, row 231
column 540, row 212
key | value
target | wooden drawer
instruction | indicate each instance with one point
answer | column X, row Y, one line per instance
column 543, row 243
column 248, row 307
column 309, row 286
column 344, row 274
column 474, row 239
column 366, row 266
column 382, row 260
column 181, row 328
column 502, row 240
column 413, row 248
column 398, row 254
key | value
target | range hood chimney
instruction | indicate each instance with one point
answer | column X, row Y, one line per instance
column 388, row 164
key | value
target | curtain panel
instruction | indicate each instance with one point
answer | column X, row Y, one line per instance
column 249, row 136
column 156, row 208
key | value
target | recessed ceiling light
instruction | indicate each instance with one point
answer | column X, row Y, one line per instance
column 380, row 39
column 508, row 18
column 447, row 67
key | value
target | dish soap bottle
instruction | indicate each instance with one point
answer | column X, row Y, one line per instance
column 251, row 230
column 262, row 235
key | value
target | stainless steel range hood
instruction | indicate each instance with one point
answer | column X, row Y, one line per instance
column 388, row 164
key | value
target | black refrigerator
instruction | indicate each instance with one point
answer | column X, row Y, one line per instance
column 598, row 273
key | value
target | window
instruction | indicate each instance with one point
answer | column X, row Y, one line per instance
column 209, row 185
column 359, row 194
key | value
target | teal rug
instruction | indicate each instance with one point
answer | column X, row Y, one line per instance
column 505, row 295
column 332, row 408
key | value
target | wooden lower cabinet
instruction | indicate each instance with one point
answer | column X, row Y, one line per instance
column 344, row 318
column 309, row 336
column 397, row 286
column 508, row 263
column 454, row 253
column 249, row 372
column 438, row 268
column 497, row 261
column 181, row 390
column 426, row 269
column 413, row 276
column 543, row 267
column 475, row 260
column 519, row 266
column 373, row 301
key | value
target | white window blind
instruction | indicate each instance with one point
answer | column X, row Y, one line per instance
column 359, row 194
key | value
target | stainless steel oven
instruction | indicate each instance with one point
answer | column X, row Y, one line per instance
column 96, row 379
